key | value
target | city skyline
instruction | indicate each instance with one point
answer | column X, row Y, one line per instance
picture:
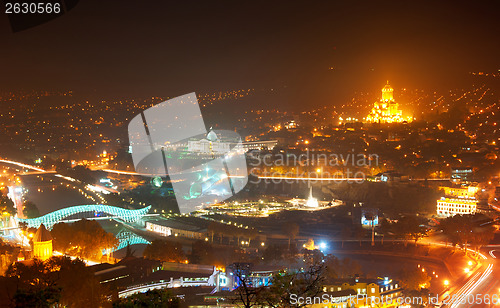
column 250, row 154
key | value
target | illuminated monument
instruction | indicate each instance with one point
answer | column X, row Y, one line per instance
column 386, row 110
column 42, row 244
column 311, row 201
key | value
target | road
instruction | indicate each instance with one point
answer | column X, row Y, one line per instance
column 480, row 288
column 485, row 289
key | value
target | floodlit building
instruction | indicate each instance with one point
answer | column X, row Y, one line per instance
column 457, row 200
column 386, row 110
column 461, row 174
column 176, row 229
column 214, row 144
column 361, row 292
column 451, row 207
column 468, row 192
column 42, row 244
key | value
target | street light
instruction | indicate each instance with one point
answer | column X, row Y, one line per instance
column 467, row 270
column 446, row 283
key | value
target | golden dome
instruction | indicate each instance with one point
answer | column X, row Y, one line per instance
column 387, row 87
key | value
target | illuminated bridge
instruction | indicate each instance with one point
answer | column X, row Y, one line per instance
column 129, row 238
column 91, row 211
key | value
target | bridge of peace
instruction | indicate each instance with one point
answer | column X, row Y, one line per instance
column 94, row 211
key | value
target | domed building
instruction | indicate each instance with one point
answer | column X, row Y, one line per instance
column 212, row 136
column 209, row 145
column 42, row 244
column 386, row 110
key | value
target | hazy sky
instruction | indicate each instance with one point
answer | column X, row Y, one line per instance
column 155, row 47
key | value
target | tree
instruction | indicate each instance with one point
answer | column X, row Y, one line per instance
column 165, row 250
column 56, row 280
column 45, row 297
column 246, row 293
column 62, row 235
column 30, row 210
column 313, row 256
column 273, row 253
column 481, row 237
column 414, row 279
column 302, row 283
column 6, row 205
column 459, row 229
column 331, row 267
column 291, row 230
column 213, row 228
column 409, row 227
column 341, row 268
column 84, row 238
column 202, row 252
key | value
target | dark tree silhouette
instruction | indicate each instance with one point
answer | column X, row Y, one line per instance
column 291, row 230
column 30, row 210
column 165, row 250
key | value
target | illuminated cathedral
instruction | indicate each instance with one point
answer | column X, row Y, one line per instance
column 386, row 110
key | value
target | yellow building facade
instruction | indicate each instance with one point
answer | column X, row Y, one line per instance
column 457, row 200
column 42, row 244
column 358, row 292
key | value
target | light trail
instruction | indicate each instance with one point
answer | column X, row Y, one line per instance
column 466, row 286
column 464, row 296
column 126, row 172
column 308, row 178
column 492, row 254
column 21, row 165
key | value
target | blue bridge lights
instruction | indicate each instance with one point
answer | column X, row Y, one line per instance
column 52, row 218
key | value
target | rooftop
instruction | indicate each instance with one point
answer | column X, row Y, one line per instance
column 42, row 235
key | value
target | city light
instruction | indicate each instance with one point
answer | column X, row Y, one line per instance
column 341, row 172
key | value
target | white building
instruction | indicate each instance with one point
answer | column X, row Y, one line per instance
column 457, row 200
column 451, row 206
column 212, row 144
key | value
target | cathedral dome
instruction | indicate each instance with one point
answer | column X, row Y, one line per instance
column 212, row 136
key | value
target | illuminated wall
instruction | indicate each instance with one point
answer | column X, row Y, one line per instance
column 450, row 207
column 42, row 250
column 467, row 192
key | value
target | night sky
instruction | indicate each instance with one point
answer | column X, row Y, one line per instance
column 314, row 52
